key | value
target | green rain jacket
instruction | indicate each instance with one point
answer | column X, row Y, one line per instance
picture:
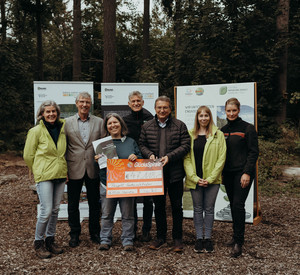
column 41, row 155
column 214, row 157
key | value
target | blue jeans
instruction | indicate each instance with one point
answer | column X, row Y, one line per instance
column 204, row 199
column 50, row 195
column 108, row 206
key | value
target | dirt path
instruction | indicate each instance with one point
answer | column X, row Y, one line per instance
column 272, row 247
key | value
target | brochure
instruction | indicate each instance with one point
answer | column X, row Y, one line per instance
column 105, row 149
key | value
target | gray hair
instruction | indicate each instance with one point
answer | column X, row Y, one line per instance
column 124, row 128
column 83, row 95
column 135, row 93
column 163, row 98
column 41, row 110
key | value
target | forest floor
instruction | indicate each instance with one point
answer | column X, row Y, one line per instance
column 271, row 247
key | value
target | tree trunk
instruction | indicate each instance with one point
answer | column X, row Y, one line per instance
column 76, row 40
column 109, row 56
column 146, row 27
column 3, row 21
column 177, row 22
column 282, row 25
column 39, row 42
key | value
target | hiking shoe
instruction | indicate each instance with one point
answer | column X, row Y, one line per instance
column 157, row 244
column 208, row 245
column 128, row 247
column 199, row 248
column 146, row 237
column 178, row 245
column 52, row 247
column 40, row 249
column 104, row 246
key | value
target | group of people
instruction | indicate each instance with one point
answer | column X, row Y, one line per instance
column 59, row 151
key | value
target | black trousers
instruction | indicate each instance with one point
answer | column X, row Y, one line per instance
column 93, row 196
column 237, row 197
column 147, row 214
column 175, row 191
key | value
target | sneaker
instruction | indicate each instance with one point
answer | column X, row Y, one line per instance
column 104, row 246
column 199, row 248
column 146, row 237
column 178, row 245
column 52, row 247
column 157, row 244
column 128, row 247
column 208, row 245
column 40, row 249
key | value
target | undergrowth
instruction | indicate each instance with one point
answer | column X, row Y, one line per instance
column 273, row 157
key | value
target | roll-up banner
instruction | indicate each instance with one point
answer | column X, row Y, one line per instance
column 63, row 93
column 188, row 99
column 114, row 97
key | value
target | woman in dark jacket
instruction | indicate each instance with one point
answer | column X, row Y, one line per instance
column 239, row 170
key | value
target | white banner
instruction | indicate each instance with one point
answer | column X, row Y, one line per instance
column 188, row 100
column 114, row 96
column 62, row 92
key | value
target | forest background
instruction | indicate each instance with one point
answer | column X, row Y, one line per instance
column 182, row 42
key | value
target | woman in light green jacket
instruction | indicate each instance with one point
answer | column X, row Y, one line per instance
column 203, row 167
column 44, row 153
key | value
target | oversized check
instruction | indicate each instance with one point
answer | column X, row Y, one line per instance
column 142, row 177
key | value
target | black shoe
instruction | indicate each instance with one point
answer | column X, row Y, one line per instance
column 146, row 237
column 157, row 244
column 237, row 250
column 74, row 241
column 95, row 239
column 199, row 248
column 230, row 243
column 104, row 246
column 178, row 245
column 208, row 245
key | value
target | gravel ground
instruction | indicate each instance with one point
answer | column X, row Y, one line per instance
column 272, row 247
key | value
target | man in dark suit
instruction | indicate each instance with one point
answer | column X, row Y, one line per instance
column 81, row 130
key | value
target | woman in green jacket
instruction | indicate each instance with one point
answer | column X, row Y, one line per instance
column 203, row 167
column 44, row 153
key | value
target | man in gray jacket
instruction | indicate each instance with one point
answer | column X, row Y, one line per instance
column 81, row 129
column 167, row 139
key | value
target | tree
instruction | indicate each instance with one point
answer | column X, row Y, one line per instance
column 282, row 26
column 76, row 39
column 3, row 21
column 146, row 27
column 39, row 41
column 109, row 60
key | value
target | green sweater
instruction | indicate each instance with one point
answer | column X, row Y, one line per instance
column 214, row 157
column 42, row 156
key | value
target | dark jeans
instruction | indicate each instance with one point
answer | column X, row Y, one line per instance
column 175, row 191
column 93, row 196
column 237, row 197
column 147, row 214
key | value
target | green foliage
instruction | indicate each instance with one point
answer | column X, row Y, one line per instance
column 273, row 157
